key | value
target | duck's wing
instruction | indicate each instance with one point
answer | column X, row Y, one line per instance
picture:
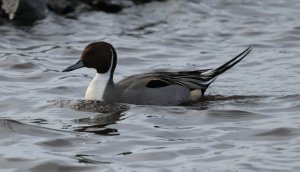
column 198, row 79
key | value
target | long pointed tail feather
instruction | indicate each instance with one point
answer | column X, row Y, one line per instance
column 215, row 72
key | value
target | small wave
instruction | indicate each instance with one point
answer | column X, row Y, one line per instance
column 289, row 97
column 279, row 132
column 234, row 97
column 10, row 127
column 230, row 113
column 23, row 66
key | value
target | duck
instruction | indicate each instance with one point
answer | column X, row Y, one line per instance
column 154, row 88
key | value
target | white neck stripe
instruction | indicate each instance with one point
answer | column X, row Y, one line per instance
column 97, row 86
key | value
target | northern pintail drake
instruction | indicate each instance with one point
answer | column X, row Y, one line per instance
column 157, row 88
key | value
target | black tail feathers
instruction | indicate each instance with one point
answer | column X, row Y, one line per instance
column 215, row 72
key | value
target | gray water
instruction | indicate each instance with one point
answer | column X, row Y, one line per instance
column 250, row 120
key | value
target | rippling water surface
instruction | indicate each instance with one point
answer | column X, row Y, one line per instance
column 250, row 120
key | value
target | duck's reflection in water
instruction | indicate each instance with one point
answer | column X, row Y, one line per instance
column 100, row 124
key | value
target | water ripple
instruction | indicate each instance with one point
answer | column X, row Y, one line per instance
column 249, row 120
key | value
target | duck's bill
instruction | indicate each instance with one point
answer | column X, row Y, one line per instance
column 77, row 65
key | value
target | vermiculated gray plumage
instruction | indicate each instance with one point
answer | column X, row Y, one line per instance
column 197, row 79
column 156, row 88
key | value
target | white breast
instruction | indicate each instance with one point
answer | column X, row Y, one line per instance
column 97, row 86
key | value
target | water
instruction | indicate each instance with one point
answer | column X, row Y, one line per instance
column 249, row 121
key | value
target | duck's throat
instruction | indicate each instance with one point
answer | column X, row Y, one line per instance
column 97, row 87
